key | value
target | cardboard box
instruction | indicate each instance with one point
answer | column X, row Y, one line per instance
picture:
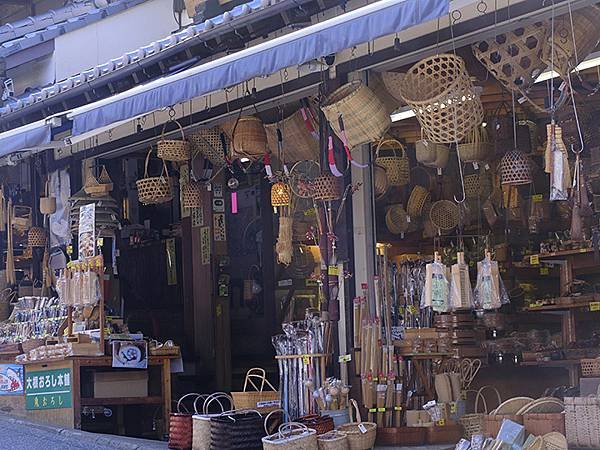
column 132, row 383
column 588, row 386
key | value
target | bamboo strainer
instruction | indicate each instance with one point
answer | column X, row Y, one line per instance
column 328, row 187
column 440, row 92
column 154, row 190
column 173, row 149
column 444, row 215
column 396, row 219
column 416, row 201
column 365, row 117
column 396, row 165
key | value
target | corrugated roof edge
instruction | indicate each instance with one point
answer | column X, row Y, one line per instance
column 212, row 26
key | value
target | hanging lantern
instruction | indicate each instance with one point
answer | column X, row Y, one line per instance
column 36, row 237
column 280, row 194
column 515, row 169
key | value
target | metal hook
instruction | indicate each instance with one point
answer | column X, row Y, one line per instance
column 462, row 179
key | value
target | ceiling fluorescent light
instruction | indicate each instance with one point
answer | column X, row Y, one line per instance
column 402, row 114
column 592, row 61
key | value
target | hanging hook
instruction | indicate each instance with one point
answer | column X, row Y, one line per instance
column 462, row 179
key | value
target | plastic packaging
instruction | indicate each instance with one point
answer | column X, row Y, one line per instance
column 489, row 290
column 436, row 289
column 461, row 294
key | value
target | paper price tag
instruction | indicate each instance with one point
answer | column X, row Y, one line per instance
column 372, row 410
column 544, row 271
column 411, row 309
column 453, row 407
column 345, row 358
column 441, row 422
column 537, row 198
column 397, row 408
column 362, row 428
column 306, row 360
column 381, row 410
column 595, row 306
column 534, row 260
column 333, row 270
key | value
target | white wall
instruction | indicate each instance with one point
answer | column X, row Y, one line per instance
column 110, row 38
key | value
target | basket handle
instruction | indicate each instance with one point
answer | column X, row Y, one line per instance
column 165, row 168
column 354, row 405
column 179, row 404
column 480, row 396
column 201, row 396
column 383, row 142
column 162, row 134
column 290, row 427
column 258, row 374
column 495, row 390
column 268, row 416
column 215, row 397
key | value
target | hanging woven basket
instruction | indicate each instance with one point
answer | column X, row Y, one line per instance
column 514, row 57
column 47, row 202
column 249, row 138
column 328, row 187
column 515, row 169
column 36, row 237
column 154, row 190
column 173, row 149
column 476, row 147
column 396, row 219
column 380, row 181
column 444, row 215
column 98, row 187
column 568, row 53
column 418, row 197
column 191, row 195
column 392, row 82
column 209, row 143
column 380, row 89
column 440, row 92
column 431, row 154
column 396, row 165
column 281, row 194
column 299, row 143
column 364, row 115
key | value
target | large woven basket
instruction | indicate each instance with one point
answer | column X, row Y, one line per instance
column 210, row 142
column 396, row 219
column 392, row 82
column 258, row 393
column 358, row 438
column 334, row 440
column 191, row 195
column 440, row 92
column 431, row 154
column 365, row 117
column 249, row 138
column 291, row 436
column 396, row 164
column 539, row 424
column 299, row 143
column 514, row 57
column 201, row 424
column 180, row 426
column 379, row 88
column 515, row 169
column 416, row 201
column 567, row 54
column 173, row 149
column 444, row 215
column 236, row 430
column 154, row 190
column 327, row 187
column 582, row 421
column 475, row 148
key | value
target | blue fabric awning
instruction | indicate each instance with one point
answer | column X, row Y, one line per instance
column 381, row 18
column 35, row 135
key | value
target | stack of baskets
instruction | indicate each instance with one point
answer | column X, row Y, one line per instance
column 363, row 114
column 442, row 96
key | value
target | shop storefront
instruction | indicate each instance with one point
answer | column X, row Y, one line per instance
column 399, row 244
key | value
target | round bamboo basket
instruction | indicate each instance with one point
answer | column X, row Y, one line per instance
column 440, row 92
column 392, row 82
column 298, row 142
column 396, row 165
column 334, row 440
column 209, row 143
column 568, row 53
column 36, row 237
column 328, row 187
column 515, row 169
column 191, row 195
column 379, row 88
column 416, row 201
column 358, row 439
column 281, row 194
column 380, row 181
column 513, row 57
column 396, row 219
column 249, row 138
column 444, row 215
column 365, row 117
column 173, row 149
column 154, row 190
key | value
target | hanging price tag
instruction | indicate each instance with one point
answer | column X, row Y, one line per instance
column 453, row 408
column 441, row 422
column 381, row 410
column 345, row 358
column 333, row 270
column 397, row 408
column 372, row 410
column 362, row 428
column 534, row 260
column 306, row 360
column 595, row 306
column 411, row 309
column 544, row 271
column 537, row 198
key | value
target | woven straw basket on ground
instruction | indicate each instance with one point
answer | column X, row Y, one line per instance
column 364, row 115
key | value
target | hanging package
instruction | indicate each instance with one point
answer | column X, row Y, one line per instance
column 489, row 291
column 461, row 295
column 437, row 287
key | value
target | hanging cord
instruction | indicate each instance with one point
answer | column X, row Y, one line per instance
column 460, row 169
column 514, row 114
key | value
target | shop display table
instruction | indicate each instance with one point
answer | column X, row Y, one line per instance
column 57, row 391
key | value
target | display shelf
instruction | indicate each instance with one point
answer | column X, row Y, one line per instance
column 560, row 254
column 566, row 363
column 565, row 303
column 90, row 401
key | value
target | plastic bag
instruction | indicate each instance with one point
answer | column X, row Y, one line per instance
column 461, row 294
column 489, row 289
column 436, row 288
